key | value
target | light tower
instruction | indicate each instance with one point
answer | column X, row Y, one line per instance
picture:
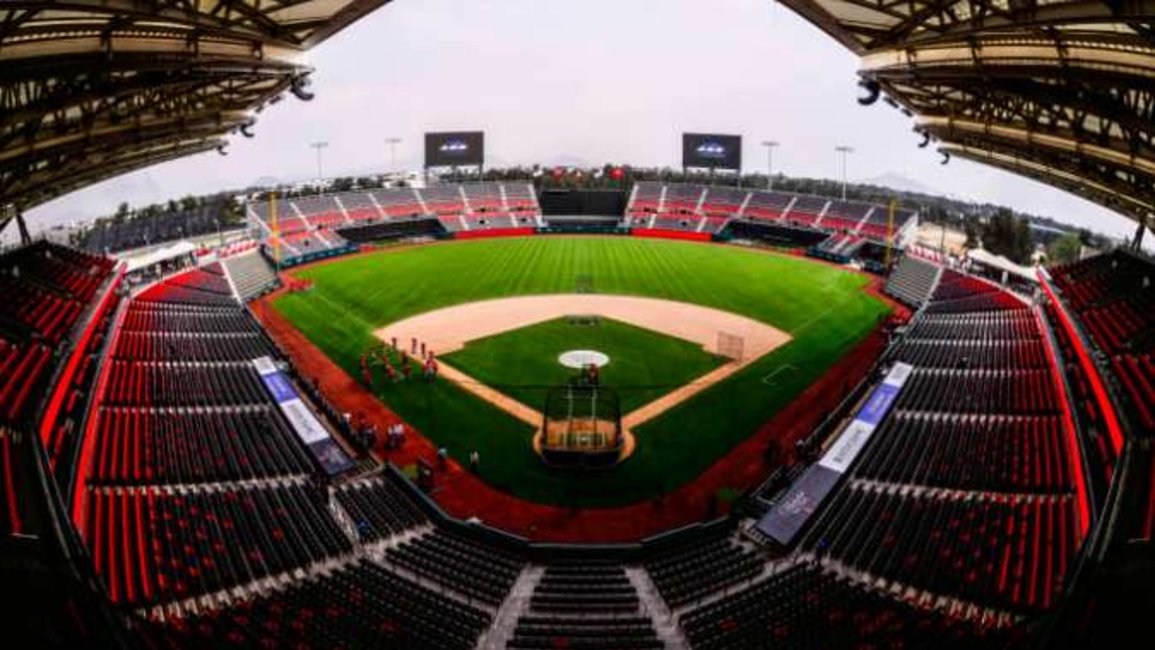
column 769, row 144
column 844, row 150
column 320, row 146
column 392, row 142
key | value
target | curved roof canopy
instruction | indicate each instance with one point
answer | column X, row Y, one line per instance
column 1061, row 91
column 90, row 89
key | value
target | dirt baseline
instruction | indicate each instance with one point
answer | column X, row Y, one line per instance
column 450, row 328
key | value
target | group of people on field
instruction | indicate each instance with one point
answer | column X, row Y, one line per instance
column 382, row 356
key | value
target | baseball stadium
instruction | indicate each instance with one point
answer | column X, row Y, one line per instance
column 607, row 409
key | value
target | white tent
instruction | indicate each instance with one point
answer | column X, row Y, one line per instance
column 1001, row 263
column 158, row 255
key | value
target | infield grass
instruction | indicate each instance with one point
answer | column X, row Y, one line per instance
column 523, row 363
column 823, row 308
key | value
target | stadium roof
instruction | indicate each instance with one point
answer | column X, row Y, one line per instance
column 94, row 88
column 1061, row 91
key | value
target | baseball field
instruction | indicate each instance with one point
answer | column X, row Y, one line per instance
column 821, row 310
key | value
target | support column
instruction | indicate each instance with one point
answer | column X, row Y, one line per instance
column 1140, row 232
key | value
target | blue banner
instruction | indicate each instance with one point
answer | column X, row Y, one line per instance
column 790, row 514
column 305, row 424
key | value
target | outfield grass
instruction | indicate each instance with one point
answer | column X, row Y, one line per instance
column 523, row 363
column 822, row 307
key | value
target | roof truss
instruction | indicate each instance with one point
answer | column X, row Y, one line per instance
column 93, row 88
column 1067, row 87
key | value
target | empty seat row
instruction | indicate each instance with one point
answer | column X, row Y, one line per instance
column 167, row 383
column 992, row 550
column 994, row 453
column 378, row 508
column 173, row 293
column 701, row 567
column 1022, row 392
column 470, row 567
column 804, row 608
column 585, row 589
column 587, row 604
column 973, row 353
column 251, row 274
column 192, row 346
column 359, row 606
column 162, row 317
column 979, row 326
column 1113, row 297
column 167, row 446
column 151, row 545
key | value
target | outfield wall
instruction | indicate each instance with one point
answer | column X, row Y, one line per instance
column 657, row 233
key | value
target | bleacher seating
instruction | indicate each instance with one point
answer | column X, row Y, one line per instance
column 709, row 209
column 804, row 607
column 360, row 206
column 1005, row 551
column 1009, row 325
column 378, row 509
column 156, row 545
column 46, row 289
column 724, row 202
column 318, row 225
column 839, row 247
column 443, row 199
column 806, row 210
column 359, row 606
column 700, row 567
column 476, row 570
column 521, row 198
column 251, row 274
column 646, row 199
column 402, row 202
column 912, row 280
column 992, row 453
column 845, row 217
column 156, row 446
column 1113, row 297
column 187, row 384
column 484, row 197
column 965, row 489
column 320, row 211
column 957, row 293
column 585, row 605
column 768, row 205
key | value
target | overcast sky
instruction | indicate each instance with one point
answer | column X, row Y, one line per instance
column 588, row 81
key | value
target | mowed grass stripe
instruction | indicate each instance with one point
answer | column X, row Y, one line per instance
column 823, row 307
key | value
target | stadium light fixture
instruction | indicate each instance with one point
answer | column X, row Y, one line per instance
column 319, row 146
column 845, row 151
column 392, row 142
column 769, row 144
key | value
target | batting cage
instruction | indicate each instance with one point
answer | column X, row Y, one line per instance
column 582, row 427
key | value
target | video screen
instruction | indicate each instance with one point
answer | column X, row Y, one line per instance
column 712, row 151
column 453, row 149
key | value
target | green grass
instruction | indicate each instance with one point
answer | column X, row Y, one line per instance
column 822, row 307
column 523, row 364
